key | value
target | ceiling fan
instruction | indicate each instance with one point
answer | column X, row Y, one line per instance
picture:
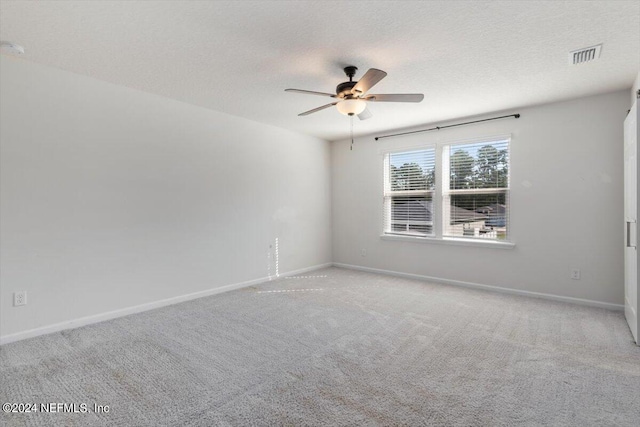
column 352, row 96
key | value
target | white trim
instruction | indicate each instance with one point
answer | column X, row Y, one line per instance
column 409, row 149
column 580, row 301
column 450, row 241
column 479, row 140
column 96, row 318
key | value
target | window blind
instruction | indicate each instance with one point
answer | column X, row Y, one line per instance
column 408, row 194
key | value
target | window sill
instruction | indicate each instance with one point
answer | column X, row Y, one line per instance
column 449, row 241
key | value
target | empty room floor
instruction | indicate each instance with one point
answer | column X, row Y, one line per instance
column 336, row 347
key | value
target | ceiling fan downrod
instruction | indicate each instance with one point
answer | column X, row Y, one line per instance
column 350, row 71
column 343, row 90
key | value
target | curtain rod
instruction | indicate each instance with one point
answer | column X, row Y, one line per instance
column 517, row 116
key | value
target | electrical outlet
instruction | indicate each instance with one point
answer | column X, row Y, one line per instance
column 19, row 298
column 363, row 252
column 575, row 274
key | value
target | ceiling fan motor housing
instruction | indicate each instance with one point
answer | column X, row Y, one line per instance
column 343, row 90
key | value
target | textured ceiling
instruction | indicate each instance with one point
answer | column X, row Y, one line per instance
column 238, row 57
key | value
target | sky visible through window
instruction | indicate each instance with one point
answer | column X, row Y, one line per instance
column 399, row 159
column 427, row 162
column 472, row 148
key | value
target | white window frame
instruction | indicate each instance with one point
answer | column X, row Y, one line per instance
column 440, row 193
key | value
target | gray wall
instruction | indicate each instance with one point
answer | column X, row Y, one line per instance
column 566, row 204
column 112, row 198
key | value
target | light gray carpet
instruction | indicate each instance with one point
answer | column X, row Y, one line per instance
column 337, row 347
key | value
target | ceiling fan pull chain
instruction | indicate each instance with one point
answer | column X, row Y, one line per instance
column 351, row 118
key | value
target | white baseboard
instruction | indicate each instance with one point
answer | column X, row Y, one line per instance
column 88, row 320
column 591, row 303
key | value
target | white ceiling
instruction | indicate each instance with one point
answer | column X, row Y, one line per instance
column 238, row 57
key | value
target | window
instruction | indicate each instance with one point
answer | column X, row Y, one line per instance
column 472, row 180
column 409, row 191
column 475, row 189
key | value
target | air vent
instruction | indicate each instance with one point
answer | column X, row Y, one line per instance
column 586, row 54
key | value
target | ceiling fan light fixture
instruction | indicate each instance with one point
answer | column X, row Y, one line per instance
column 350, row 107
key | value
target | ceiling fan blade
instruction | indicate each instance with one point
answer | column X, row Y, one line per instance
column 306, row 113
column 310, row 92
column 395, row 97
column 366, row 114
column 368, row 81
